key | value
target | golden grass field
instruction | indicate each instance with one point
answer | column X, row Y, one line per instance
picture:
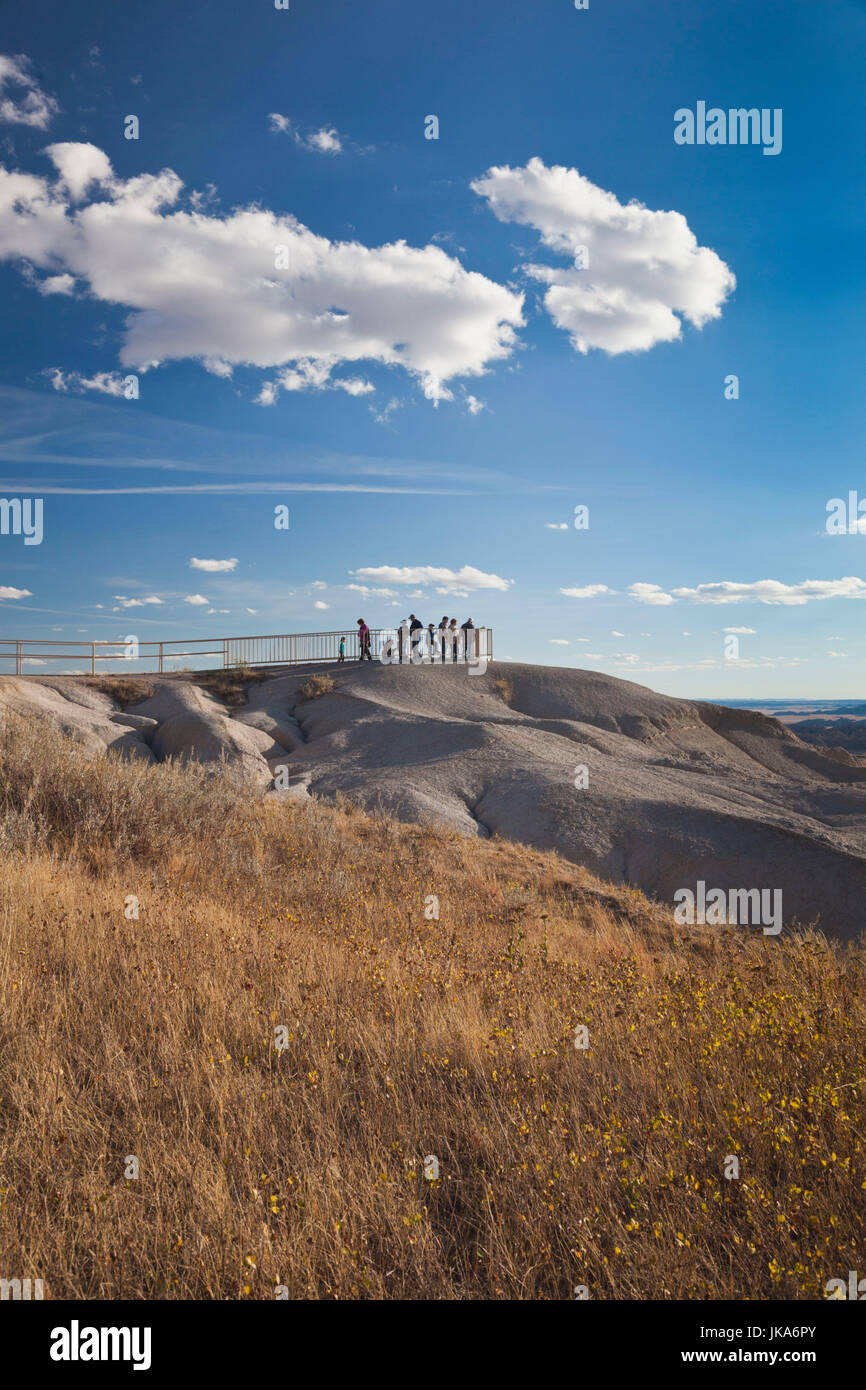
column 406, row 1037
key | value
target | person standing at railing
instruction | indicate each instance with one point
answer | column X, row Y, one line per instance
column 415, row 626
column 364, row 640
column 443, row 634
column 431, row 642
column 453, row 638
column 466, row 640
column 342, row 656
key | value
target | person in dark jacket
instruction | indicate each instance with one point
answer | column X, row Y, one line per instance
column 466, row 628
column 443, row 634
column 364, row 640
column 414, row 626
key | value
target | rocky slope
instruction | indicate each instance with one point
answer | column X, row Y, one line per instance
column 638, row 787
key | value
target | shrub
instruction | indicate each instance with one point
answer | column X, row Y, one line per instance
column 320, row 683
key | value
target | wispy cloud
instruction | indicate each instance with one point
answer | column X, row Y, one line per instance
column 325, row 140
column 213, row 566
column 22, row 101
column 445, row 581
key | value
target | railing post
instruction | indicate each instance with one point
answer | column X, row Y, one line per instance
column 160, row 658
column 93, row 658
column 18, row 658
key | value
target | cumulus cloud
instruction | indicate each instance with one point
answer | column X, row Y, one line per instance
column 366, row 592
column 556, row 525
column 206, row 287
column 460, row 583
column 135, row 602
column 320, row 604
column 741, row 631
column 79, row 165
column 650, row 593
column 642, row 273
column 558, row 641
column 196, row 599
column 7, row 592
column 212, row 566
column 772, row 591
column 588, row 591
column 22, row 101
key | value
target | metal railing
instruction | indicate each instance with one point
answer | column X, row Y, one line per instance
column 282, row 649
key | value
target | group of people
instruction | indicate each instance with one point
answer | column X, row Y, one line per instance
column 430, row 643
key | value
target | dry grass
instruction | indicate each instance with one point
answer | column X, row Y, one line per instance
column 230, row 684
column 124, row 690
column 505, row 688
column 320, row 683
column 406, row 1036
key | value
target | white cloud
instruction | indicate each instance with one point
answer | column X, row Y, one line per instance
column 249, row 610
column 644, row 272
column 383, row 417
column 320, row 604
column 588, row 591
column 366, row 592
column 136, row 602
column 212, row 566
column 558, row 641
column 615, row 658
column 318, row 584
column 772, row 591
column 79, row 165
column 7, row 592
column 29, row 106
column 741, row 631
column 614, row 633
column 56, row 284
column 195, row 285
column 460, row 583
column 473, row 405
column 650, row 593
column 326, row 140
column 556, row 525
column 106, row 383
column 196, row 599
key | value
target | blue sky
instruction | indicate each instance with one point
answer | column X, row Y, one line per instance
column 429, row 383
